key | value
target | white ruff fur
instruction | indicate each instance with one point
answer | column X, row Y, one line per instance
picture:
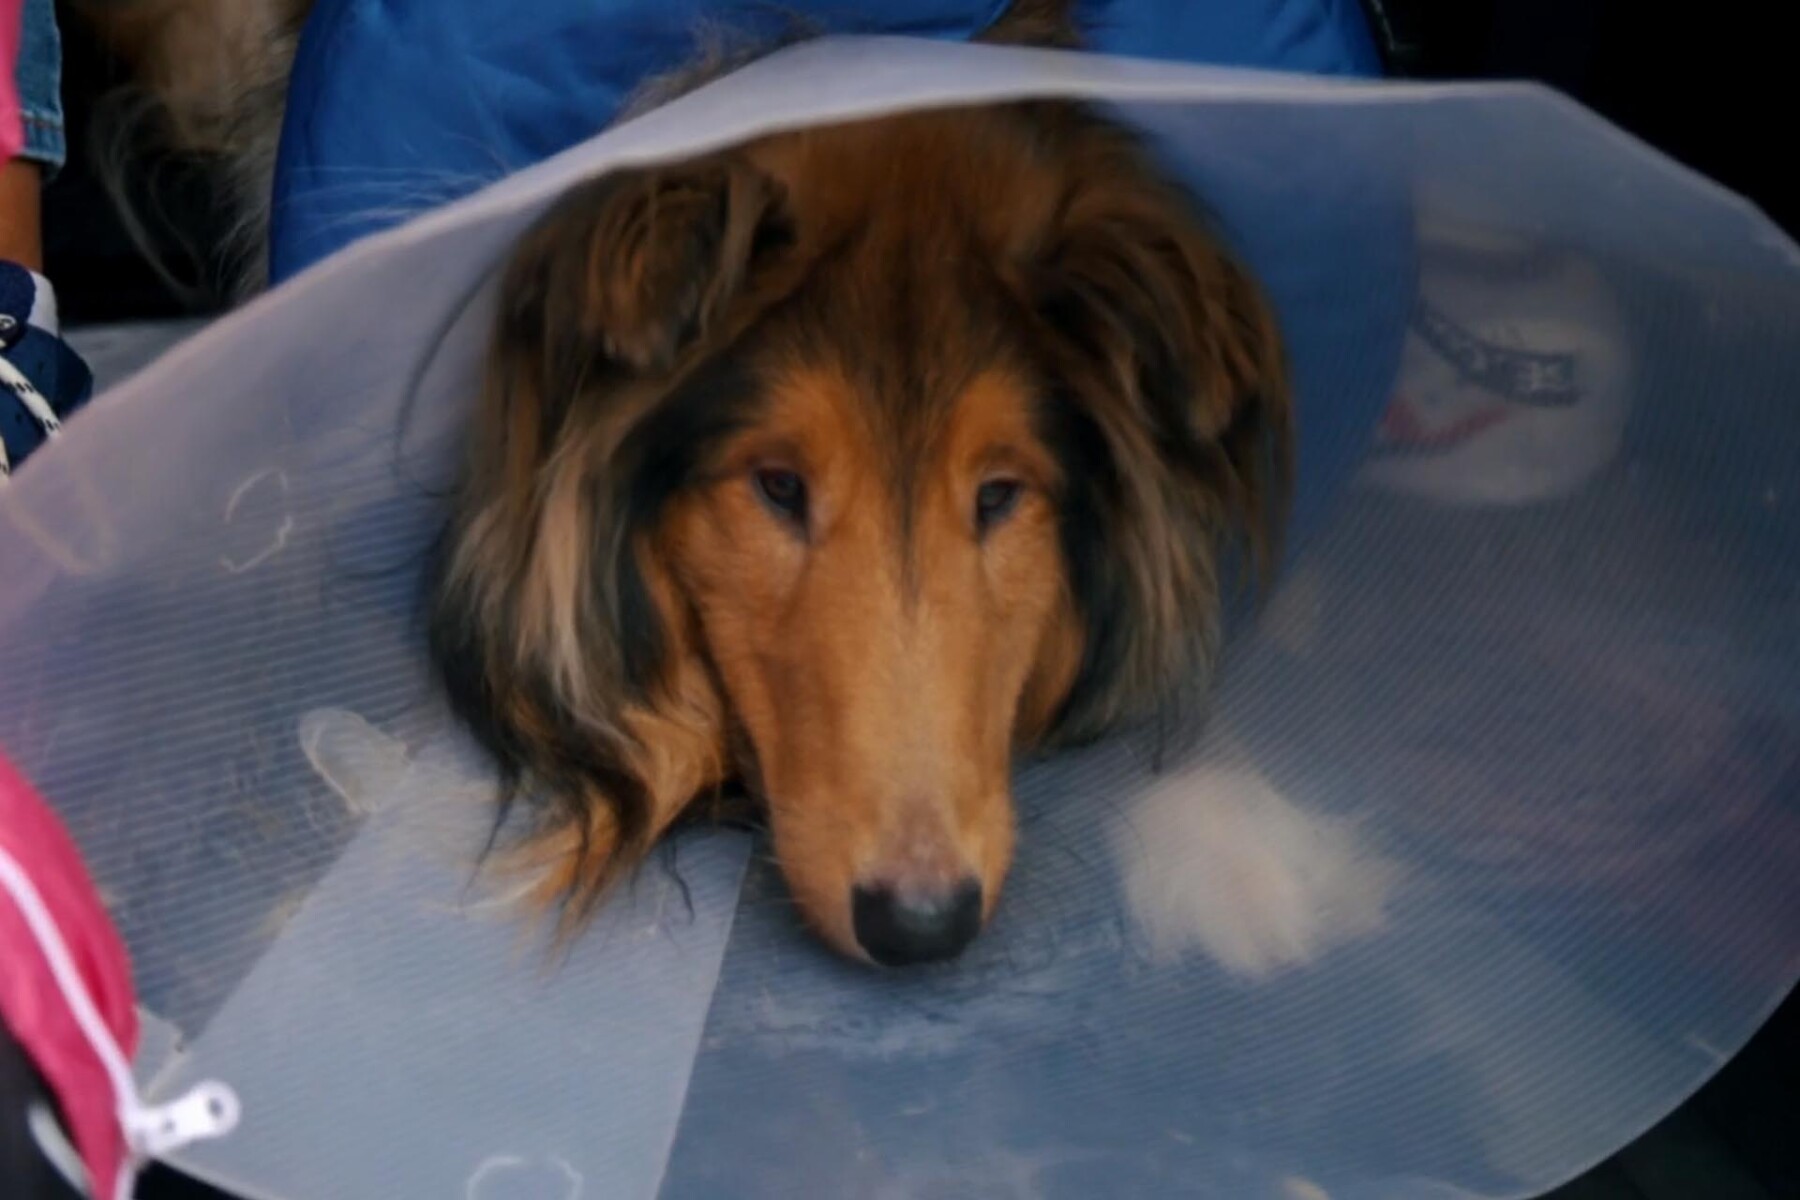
column 1216, row 860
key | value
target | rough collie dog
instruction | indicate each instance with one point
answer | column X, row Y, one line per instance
column 850, row 464
column 847, row 466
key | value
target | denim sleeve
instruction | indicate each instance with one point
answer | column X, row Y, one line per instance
column 38, row 75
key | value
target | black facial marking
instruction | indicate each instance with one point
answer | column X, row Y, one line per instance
column 658, row 459
column 1090, row 491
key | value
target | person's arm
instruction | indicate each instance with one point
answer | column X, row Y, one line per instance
column 21, row 234
column 21, row 229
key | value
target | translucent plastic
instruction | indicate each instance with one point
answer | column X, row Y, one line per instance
column 1485, row 861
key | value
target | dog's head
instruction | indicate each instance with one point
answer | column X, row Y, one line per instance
column 850, row 463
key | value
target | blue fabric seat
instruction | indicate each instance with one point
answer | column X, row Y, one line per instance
column 396, row 105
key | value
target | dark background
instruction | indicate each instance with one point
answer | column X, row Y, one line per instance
column 1711, row 85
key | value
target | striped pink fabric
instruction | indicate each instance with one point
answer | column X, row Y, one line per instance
column 34, row 1007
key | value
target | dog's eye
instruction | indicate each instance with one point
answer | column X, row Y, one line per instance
column 994, row 502
column 784, row 491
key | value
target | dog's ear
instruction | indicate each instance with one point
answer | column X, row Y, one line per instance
column 1172, row 413
column 1135, row 280
column 634, row 268
column 606, row 301
column 1046, row 23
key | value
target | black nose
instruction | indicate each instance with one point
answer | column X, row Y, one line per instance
column 898, row 927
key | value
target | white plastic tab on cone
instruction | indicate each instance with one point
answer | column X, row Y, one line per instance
column 1485, row 863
